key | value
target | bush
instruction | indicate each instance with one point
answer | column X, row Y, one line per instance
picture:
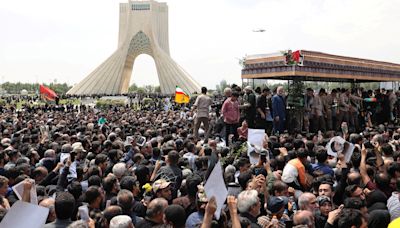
column 147, row 101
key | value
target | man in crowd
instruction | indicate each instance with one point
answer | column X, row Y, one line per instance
column 262, row 111
column 202, row 104
column 231, row 114
column 64, row 206
column 82, row 161
column 249, row 107
column 279, row 110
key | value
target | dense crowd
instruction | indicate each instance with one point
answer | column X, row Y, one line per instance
column 148, row 168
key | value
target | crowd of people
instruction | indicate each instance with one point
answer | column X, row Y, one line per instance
column 148, row 168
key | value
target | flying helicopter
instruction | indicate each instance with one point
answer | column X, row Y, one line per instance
column 259, row 30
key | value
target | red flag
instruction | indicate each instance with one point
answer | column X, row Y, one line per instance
column 296, row 56
column 47, row 93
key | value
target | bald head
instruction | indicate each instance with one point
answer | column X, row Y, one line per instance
column 50, row 153
column 303, row 218
column 228, row 92
column 39, row 173
column 354, row 178
column 49, row 203
column 280, row 90
column 308, row 201
column 112, row 211
column 155, row 210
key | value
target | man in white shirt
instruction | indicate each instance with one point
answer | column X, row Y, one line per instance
column 202, row 104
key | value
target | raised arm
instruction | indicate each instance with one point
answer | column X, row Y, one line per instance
column 379, row 160
column 363, row 166
column 208, row 215
column 232, row 205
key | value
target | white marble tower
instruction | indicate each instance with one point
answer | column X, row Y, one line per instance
column 143, row 29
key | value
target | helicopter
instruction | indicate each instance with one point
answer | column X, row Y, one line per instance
column 259, row 30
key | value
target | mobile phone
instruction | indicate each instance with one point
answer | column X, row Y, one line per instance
column 263, row 158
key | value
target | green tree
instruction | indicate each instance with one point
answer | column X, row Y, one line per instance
column 133, row 88
column 222, row 85
column 15, row 88
column 149, row 88
column 140, row 90
column 59, row 88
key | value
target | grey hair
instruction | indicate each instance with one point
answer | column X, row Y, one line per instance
column 79, row 224
column 246, row 200
column 119, row 169
column 304, row 200
column 49, row 153
column 227, row 90
column 121, row 221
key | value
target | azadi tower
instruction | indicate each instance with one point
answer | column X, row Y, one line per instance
column 143, row 29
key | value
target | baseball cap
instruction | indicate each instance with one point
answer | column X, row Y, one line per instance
column 78, row 147
column 276, row 203
column 160, row 184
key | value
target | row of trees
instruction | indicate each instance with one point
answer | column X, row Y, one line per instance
column 32, row 88
column 62, row 88
column 144, row 89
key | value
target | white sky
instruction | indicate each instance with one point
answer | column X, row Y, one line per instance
column 44, row 40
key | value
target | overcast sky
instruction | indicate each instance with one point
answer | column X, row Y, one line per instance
column 44, row 40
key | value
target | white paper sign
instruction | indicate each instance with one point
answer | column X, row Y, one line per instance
column 337, row 145
column 215, row 186
column 255, row 139
column 23, row 214
column 84, row 212
column 19, row 191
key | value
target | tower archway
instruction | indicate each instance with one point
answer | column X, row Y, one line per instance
column 143, row 29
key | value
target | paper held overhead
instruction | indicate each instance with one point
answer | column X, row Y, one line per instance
column 255, row 139
column 215, row 186
column 19, row 191
column 23, row 215
column 337, row 145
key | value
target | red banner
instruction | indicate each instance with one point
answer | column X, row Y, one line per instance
column 47, row 93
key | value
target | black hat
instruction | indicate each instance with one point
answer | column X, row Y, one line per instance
column 276, row 203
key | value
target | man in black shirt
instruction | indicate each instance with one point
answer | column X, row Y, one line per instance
column 261, row 117
column 154, row 214
column 171, row 172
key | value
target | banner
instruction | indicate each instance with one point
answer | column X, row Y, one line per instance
column 180, row 96
column 47, row 93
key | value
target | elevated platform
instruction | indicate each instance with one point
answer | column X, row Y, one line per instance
column 317, row 66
